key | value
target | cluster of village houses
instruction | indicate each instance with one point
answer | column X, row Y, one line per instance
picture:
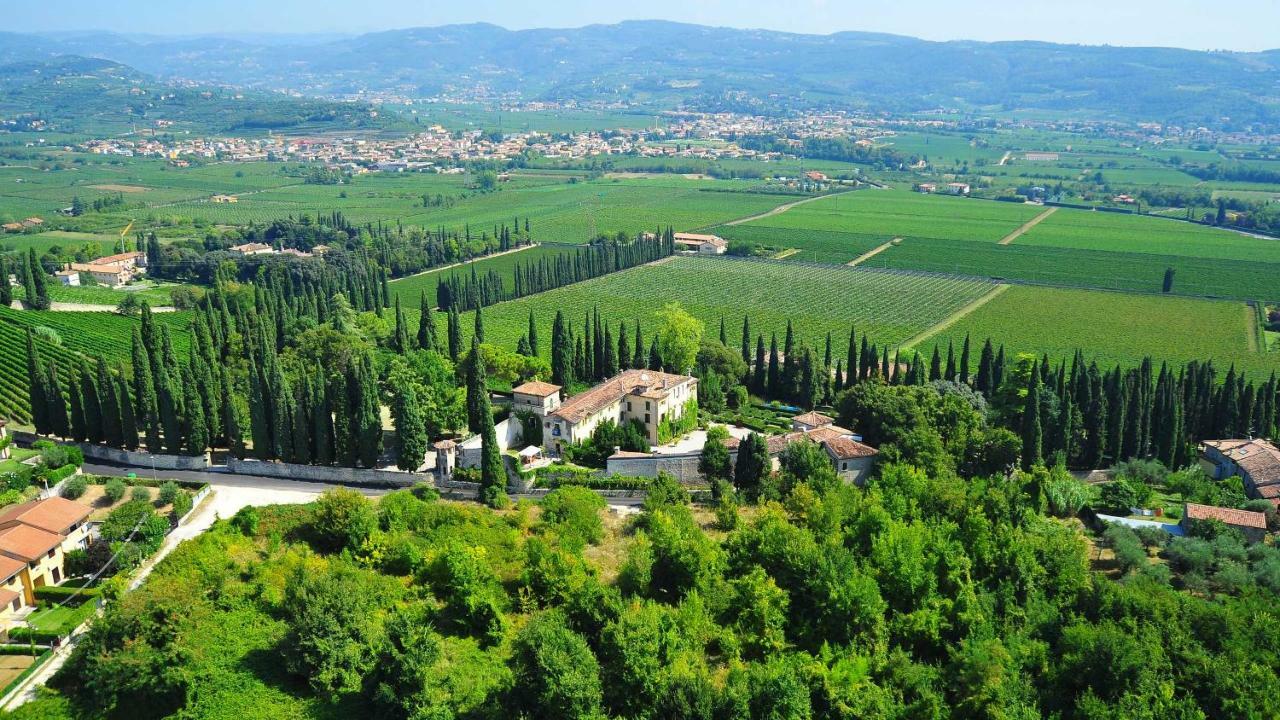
column 35, row 537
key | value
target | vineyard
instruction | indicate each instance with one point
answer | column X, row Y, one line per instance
column 820, row 246
column 90, row 334
column 1115, row 328
column 1086, row 230
column 1140, row 272
column 889, row 306
column 890, row 213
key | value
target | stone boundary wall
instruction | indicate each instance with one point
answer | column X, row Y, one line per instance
column 325, row 473
column 137, row 458
column 684, row 467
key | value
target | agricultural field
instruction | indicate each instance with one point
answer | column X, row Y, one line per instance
column 1115, row 328
column 409, row 289
column 87, row 333
column 99, row 243
column 820, row 246
column 890, row 214
column 102, row 295
column 1242, row 279
column 1085, row 230
column 889, row 307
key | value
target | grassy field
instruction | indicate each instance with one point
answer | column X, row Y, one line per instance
column 100, row 244
column 822, row 246
column 409, row 289
column 892, row 213
column 1117, row 232
column 1114, row 328
column 890, row 307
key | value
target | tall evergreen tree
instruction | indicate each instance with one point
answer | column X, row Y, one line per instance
column 964, row 361
column 35, row 385
column 427, row 339
column 533, row 336
column 400, row 340
column 112, row 425
column 752, row 466
column 746, row 340
column 1032, row 438
column 561, row 352
column 411, row 426
column 92, row 404
column 479, row 329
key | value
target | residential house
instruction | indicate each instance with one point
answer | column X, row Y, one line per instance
column 539, row 398
column 957, row 188
column 67, row 277
column 702, row 244
column 1040, row 157
column 851, row 459
column 34, row 539
column 12, row 227
column 224, row 199
column 1253, row 525
column 112, row 270
column 647, row 396
column 1257, row 462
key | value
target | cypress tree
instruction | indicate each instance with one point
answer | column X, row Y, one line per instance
column 752, row 466
column 427, row 339
column 79, row 426
column 282, row 405
column 322, row 432
column 655, row 357
column 746, row 340
column 1032, row 439
column 724, row 339
column 112, row 424
column 1064, row 438
column 637, row 355
column 964, row 361
column 986, row 370
column 997, row 370
column 624, row 347
column 370, row 415
column 455, row 334
column 610, row 357
column 479, row 329
column 144, row 393
column 411, row 426
column 761, row 365
column 533, row 336
column 400, row 342
column 950, row 373
column 230, row 422
column 935, row 365
column 55, row 404
column 196, row 434
column 35, row 386
column 773, row 382
column 561, row 353
column 92, row 404
column 477, row 392
column 259, row 415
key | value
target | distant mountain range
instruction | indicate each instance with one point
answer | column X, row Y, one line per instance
column 663, row 64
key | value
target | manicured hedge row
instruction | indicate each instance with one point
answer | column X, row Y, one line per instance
column 40, row 637
column 56, row 595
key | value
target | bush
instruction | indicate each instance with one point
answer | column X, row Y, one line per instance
column 76, row 595
column 575, row 514
column 1130, row 554
column 75, row 487
column 140, row 494
column 343, row 519
column 121, row 522
column 114, row 490
column 169, row 491
column 182, row 503
column 31, row 635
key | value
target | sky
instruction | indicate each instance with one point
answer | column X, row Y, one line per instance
column 1198, row 24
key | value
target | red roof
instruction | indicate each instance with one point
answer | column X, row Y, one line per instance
column 27, row 543
column 54, row 514
column 537, row 388
column 1230, row 516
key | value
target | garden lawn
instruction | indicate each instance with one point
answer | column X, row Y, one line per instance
column 1113, row 328
column 61, row 619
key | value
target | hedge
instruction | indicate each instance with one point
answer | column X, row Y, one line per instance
column 40, row 637
column 57, row 594
column 15, row 649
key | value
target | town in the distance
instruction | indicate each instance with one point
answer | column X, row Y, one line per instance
column 635, row 371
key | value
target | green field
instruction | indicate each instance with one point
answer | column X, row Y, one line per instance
column 1242, row 279
column 822, row 246
column 892, row 213
column 1115, row 328
column 409, row 289
column 890, row 307
column 67, row 240
column 1119, row 232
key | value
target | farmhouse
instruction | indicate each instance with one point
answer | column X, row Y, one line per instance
column 957, row 188
column 112, row 270
column 68, row 277
column 850, row 458
column 1257, row 462
column 224, row 199
column 539, row 398
column 1253, row 525
column 12, row 227
column 1040, row 156
column 702, row 244
column 34, row 538
column 253, row 249
column 647, row 396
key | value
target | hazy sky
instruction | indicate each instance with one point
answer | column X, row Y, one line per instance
column 1201, row 24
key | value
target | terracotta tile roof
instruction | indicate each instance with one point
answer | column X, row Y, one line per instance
column 584, row 405
column 444, row 444
column 1259, row 458
column 813, row 419
column 27, row 543
column 55, row 514
column 844, row 448
column 10, row 567
column 629, row 454
column 537, row 388
column 1230, row 516
column 6, row 597
column 110, row 259
column 698, row 237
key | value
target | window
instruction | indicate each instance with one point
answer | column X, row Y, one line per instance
column 51, row 552
column 546, row 424
column 844, row 466
column 57, row 576
column 646, row 404
column 646, row 417
column 17, row 604
column 628, row 406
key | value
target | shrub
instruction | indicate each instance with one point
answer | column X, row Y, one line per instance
column 182, row 503
column 114, row 490
column 75, row 487
column 664, row 491
column 140, row 494
column 121, row 522
column 343, row 519
column 169, row 491
column 1130, row 553
column 575, row 514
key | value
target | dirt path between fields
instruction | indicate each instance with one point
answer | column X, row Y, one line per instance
column 871, row 253
column 783, row 208
column 956, row 316
column 1027, row 226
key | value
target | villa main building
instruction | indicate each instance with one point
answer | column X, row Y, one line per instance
column 647, row 396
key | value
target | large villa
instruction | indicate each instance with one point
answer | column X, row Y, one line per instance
column 647, row 396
